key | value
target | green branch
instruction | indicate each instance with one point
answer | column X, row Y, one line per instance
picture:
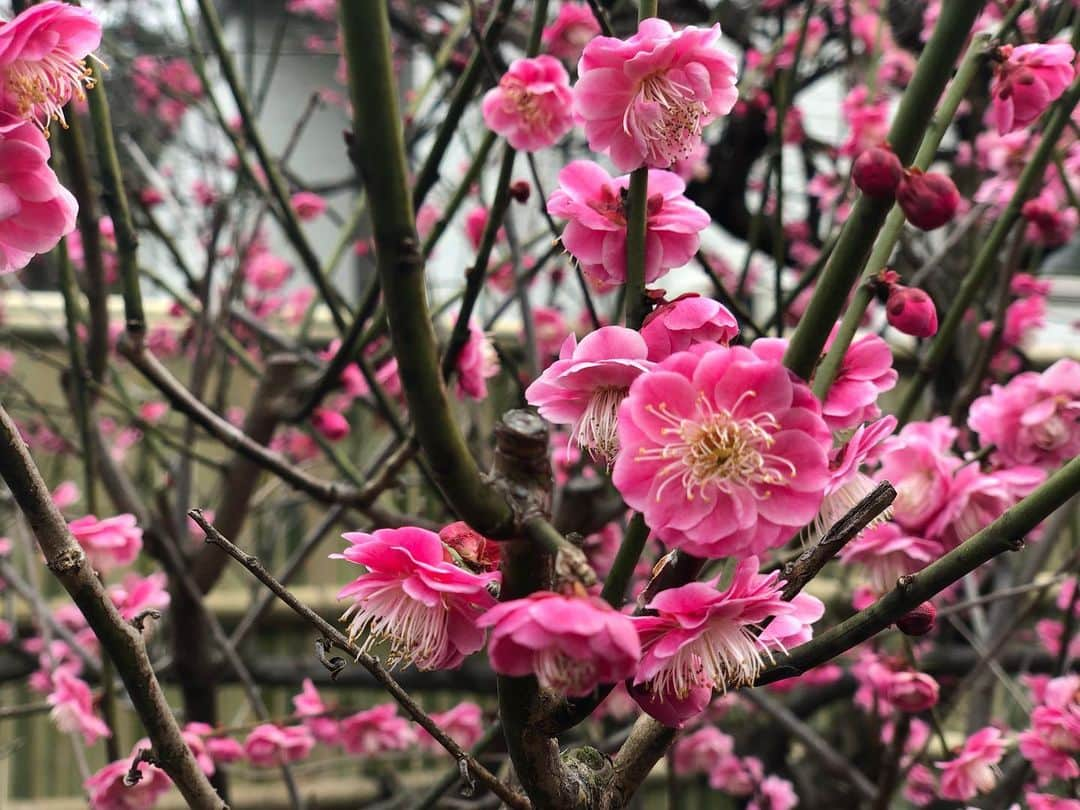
column 378, row 152
column 857, row 237
column 1004, row 534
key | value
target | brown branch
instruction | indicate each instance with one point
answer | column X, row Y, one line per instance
column 119, row 640
column 807, row 565
column 372, row 665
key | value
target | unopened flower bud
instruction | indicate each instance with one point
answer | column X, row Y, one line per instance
column 520, row 190
column 911, row 311
column 877, row 172
column 929, row 200
column 918, row 622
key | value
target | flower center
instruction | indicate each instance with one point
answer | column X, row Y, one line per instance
column 524, row 103
column 597, row 430
column 559, row 672
column 717, row 451
column 665, row 118
column 40, row 88
column 727, row 655
column 414, row 632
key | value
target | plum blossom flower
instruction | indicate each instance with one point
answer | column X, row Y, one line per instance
column 976, row 499
column 376, row 730
column 1027, row 81
column 865, row 373
column 572, row 29
column 1052, row 743
column 110, row 542
column 700, row 636
column 571, row 644
column 476, row 363
column 309, row 705
column 886, row 552
column 414, row 598
column 308, row 205
column 464, row 724
column 106, row 788
column 268, row 745
column 723, row 450
column 698, row 752
column 35, row 210
column 867, row 120
column 847, row 483
column 595, row 204
column 73, row 707
column 42, row 53
column 918, row 463
column 974, row 770
column 645, row 100
column 137, row 594
column 774, row 793
column 585, row 386
column 531, row 104
column 689, row 319
column 1034, row 418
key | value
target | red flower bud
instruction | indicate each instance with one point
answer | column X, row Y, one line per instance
column 331, row 424
column 928, row 200
column 918, row 622
column 520, row 190
column 877, row 172
column 475, row 549
column 911, row 311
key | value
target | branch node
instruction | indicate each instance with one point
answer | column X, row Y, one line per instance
column 67, row 561
column 335, row 664
column 134, row 775
column 905, row 582
column 139, row 622
column 468, row 784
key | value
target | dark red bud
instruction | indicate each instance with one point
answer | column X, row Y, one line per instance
column 918, row 622
column 877, row 172
column 911, row 311
column 929, row 200
column 520, row 190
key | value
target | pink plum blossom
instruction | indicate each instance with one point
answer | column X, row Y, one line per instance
column 464, row 724
column 976, row 499
column 106, row 788
column 918, row 463
column 1034, row 418
column 414, row 598
column 308, row 205
column 41, row 60
column 645, row 100
column 867, row 120
column 138, row 594
column 585, row 386
column 774, row 793
column 887, row 553
column 595, row 205
column 35, row 210
column 865, row 373
column 571, row 644
column 1052, row 744
column 110, row 542
column 1027, row 81
column 723, row 450
column 974, row 770
column 376, row 730
column 531, row 104
column 571, row 31
column 309, row 705
column 689, row 319
column 73, row 707
column 700, row 636
column 268, row 745
column 698, row 751
column 476, row 363
column 847, row 483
